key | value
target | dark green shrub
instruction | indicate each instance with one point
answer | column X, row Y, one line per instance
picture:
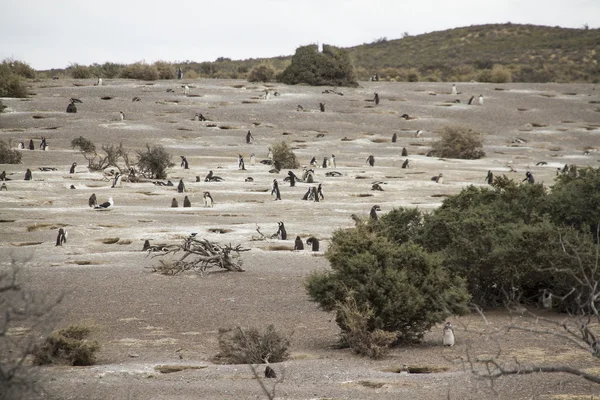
column 67, row 346
column 261, row 73
column 80, row 72
column 140, row 71
column 407, row 289
column 283, row 155
column 459, row 142
column 332, row 67
column 9, row 155
column 11, row 83
column 154, row 162
column 21, row 69
column 250, row 346
column 110, row 70
column 165, row 70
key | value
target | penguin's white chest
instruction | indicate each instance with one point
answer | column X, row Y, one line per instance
column 448, row 339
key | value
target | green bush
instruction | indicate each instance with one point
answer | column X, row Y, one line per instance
column 140, row 71
column 250, row 346
column 332, row 67
column 165, row 70
column 499, row 74
column 11, row 82
column 459, row 142
column 9, row 155
column 284, row 156
column 21, row 69
column 80, row 72
column 67, row 346
column 154, row 162
column 261, row 73
column 407, row 289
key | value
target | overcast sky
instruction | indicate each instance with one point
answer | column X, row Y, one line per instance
column 54, row 34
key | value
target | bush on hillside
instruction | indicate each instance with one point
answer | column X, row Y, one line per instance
column 407, row 289
column 68, row 346
column 284, row 156
column 459, row 142
column 165, row 70
column 261, row 73
column 11, row 79
column 154, row 162
column 332, row 67
column 140, row 71
column 250, row 346
column 9, row 155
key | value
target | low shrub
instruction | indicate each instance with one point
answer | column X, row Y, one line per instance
column 154, row 162
column 459, row 142
column 140, row 71
column 67, row 346
column 11, row 83
column 250, row 346
column 261, row 73
column 80, row 72
column 9, row 155
column 285, row 156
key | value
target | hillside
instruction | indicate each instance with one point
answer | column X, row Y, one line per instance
column 520, row 53
column 531, row 53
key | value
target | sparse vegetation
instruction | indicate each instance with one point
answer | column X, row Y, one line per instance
column 141, row 71
column 68, row 346
column 12, row 74
column 285, row 156
column 459, row 142
column 8, row 155
column 250, row 346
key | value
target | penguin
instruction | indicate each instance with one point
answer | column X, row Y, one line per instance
column 471, row 100
column 404, row 152
column 72, row 170
column 480, row 99
column 200, row 117
column 43, row 143
column 186, row 90
column 439, row 178
column 315, row 194
column 241, row 164
column 122, row 115
column 99, row 83
column 377, row 187
column 299, row 108
column 61, row 237
column 135, row 99
column 180, row 186
column 529, row 178
column 72, row 187
column 373, row 213
column 281, row 233
column 333, row 160
column 179, row 73
column 322, row 107
column 298, row 245
column 184, row 163
column 21, row 145
column 376, row 99
column 314, row 242
column 313, row 161
column 28, row 175
column 394, row 138
column 92, row 202
column 3, row 176
column 292, row 177
column 405, row 164
column 371, row 160
column 31, row 145
column 454, row 91
column 210, row 177
column 270, row 372
column 117, row 180
column 208, row 200
column 252, row 159
column 3, row 187
column 249, row 137
column 405, row 116
column 448, row 335
column 106, row 204
column 320, row 192
column 174, row 203
column 325, row 162
column 275, row 190
column 307, row 194
column 270, row 154
column 187, row 202
column 249, row 179
column 490, row 177
column 547, row 299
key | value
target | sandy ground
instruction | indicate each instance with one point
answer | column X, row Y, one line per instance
column 143, row 320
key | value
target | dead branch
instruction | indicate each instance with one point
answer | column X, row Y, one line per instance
column 198, row 255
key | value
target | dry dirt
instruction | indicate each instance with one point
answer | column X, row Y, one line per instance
column 143, row 320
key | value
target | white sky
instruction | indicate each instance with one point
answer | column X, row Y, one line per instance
column 54, row 34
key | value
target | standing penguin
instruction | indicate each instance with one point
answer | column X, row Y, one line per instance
column 404, row 152
column 320, row 192
column 122, row 115
column 184, row 162
column 187, row 202
column 252, row 159
column 28, row 175
column 31, row 145
column 314, row 242
column 405, row 164
column 275, row 190
column 547, row 299
column 471, row 100
column 371, row 160
column 72, row 170
column 298, row 245
column 454, row 91
column 61, row 237
column 529, row 178
column 249, row 137
column 333, row 160
column 322, row 107
column 394, row 138
column 490, row 177
column 174, row 203
column 373, row 213
column 480, row 99
column 208, row 200
column 92, row 202
column 180, row 186
column 292, row 178
column 241, row 164
column 376, row 99
column 281, row 233
column 448, row 335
